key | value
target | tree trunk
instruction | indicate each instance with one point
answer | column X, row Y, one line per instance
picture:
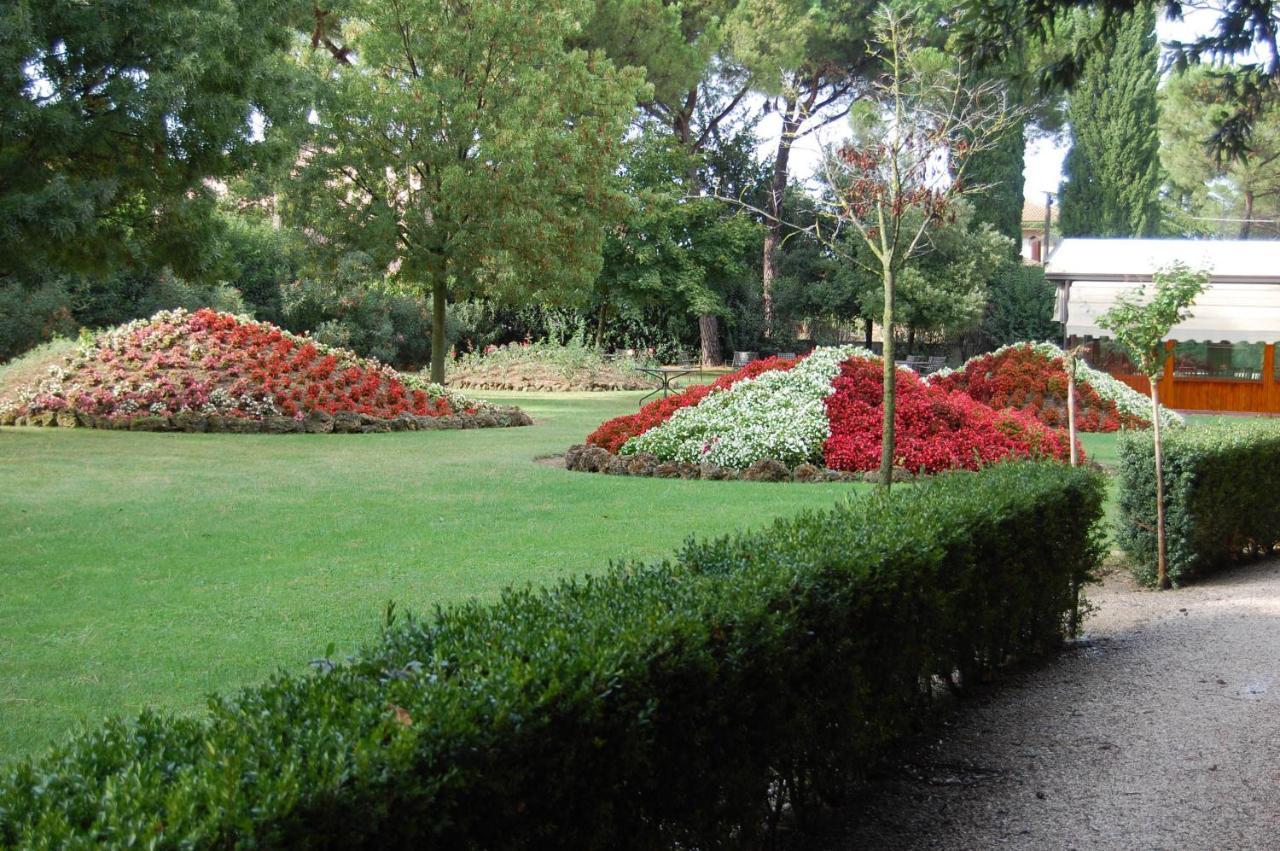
column 911, row 340
column 1162, row 572
column 1247, row 225
column 773, row 226
column 867, row 329
column 709, row 329
column 604, row 312
column 438, row 297
column 1071, row 407
column 890, row 374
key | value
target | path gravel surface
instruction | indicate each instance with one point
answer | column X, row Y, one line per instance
column 1159, row 729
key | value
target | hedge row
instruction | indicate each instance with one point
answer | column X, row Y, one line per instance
column 1221, row 483
column 677, row 704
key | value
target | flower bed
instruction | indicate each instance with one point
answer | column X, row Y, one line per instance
column 546, row 367
column 1032, row 377
column 935, row 429
column 612, row 434
column 212, row 371
column 812, row 420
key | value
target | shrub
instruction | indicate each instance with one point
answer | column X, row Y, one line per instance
column 934, row 430
column 1033, row 377
column 614, row 433
column 1220, row 486
column 214, row 363
column 546, row 365
column 654, row 706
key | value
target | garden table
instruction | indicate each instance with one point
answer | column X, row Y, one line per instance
column 665, row 375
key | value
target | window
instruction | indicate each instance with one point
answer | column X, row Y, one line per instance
column 1106, row 355
column 1235, row 361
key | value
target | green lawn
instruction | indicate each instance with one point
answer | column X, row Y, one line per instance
column 151, row 569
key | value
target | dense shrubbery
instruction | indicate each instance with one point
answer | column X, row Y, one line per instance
column 546, row 365
column 214, row 363
column 1220, row 485
column 1032, row 377
column 669, row 705
column 935, row 430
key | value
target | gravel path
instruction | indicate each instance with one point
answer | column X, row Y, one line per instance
column 1160, row 729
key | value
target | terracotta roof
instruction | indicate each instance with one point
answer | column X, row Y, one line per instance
column 1033, row 212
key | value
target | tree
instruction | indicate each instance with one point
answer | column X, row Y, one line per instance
column 1112, row 170
column 466, row 148
column 674, row 252
column 697, row 91
column 898, row 181
column 1204, row 184
column 1140, row 324
column 1245, row 28
column 807, row 58
column 114, row 120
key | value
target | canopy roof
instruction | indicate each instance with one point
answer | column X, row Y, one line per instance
column 1241, row 304
column 1135, row 259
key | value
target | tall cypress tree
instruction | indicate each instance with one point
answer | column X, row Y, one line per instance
column 1113, row 168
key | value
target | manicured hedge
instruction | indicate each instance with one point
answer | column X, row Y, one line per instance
column 663, row 705
column 1222, row 496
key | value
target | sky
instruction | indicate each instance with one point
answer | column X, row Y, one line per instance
column 1044, row 156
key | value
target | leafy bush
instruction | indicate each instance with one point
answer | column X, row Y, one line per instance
column 676, row 704
column 30, row 315
column 1033, row 377
column 935, row 430
column 546, row 365
column 1220, row 486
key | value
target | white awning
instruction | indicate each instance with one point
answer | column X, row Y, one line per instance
column 1243, row 261
column 1237, row 313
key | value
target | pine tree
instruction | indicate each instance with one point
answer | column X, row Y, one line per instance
column 1113, row 168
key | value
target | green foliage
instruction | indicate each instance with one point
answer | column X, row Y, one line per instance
column 1019, row 306
column 1140, row 324
column 113, row 117
column 652, row 706
column 354, row 308
column 1112, row 170
column 30, row 315
column 492, row 170
column 673, row 252
column 1000, row 170
column 1203, row 183
column 1220, row 506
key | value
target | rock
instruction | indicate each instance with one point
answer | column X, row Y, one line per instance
column 318, row 422
column 216, row 423
column 44, row 418
column 641, row 464
column 900, row 474
column 767, row 470
column 573, row 455
column 426, row 423
column 67, row 419
column 7, row 418
column 86, row 420
column 346, row 422
column 594, row 459
column 808, row 473
column 712, row 472
column 282, row 425
column 617, row 466
column 149, row 422
column 690, row 471
column 21, row 420
column 404, row 422
column 190, row 421
column 667, row 470
column 485, row 419
column 243, row 425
